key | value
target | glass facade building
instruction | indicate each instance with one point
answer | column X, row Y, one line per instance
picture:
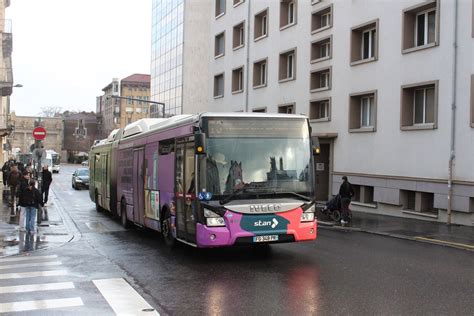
column 167, row 56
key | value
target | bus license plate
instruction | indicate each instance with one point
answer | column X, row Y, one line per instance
column 265, row 238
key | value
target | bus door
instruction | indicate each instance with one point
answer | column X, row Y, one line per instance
column 138, row 186
column 103, row 189
column 185, row 190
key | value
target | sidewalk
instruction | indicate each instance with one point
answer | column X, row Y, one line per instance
column 51, row 232
column 412, row 229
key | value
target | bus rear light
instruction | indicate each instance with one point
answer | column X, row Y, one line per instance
column 307, row 217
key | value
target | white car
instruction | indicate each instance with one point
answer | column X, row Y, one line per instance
column 85, row 163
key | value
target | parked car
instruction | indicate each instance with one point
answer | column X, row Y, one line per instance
column 80, row 178
column 85, row 163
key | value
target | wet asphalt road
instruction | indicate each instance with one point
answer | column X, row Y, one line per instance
column 340, row 273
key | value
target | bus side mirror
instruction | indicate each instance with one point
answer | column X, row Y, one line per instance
column 199, row 143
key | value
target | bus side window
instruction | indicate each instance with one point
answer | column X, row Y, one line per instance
column 166, row 147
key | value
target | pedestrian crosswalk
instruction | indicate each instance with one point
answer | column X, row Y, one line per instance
column 38, row 284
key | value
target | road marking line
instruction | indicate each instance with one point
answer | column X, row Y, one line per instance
column 31, row 258
column 445, row 242
column 33, row 274
column 123, row 299
column 40, row 304
column 28, row 265
column 36, row 287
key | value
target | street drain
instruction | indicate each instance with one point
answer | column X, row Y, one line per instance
column 148, row 310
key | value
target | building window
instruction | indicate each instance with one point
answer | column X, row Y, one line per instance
column 238, row 80
column 319, row 110
column 219, row 86
column 220, row 8
column 260, row 73
column 321, row 19
column 363, row 112
column 260, row 110
column 287, row 13
column 287, row 108
column 419, row 108
column 320, row 80
column 261, row 25
column 238, row 36
column 420, row 26
column 219, row 48
column 321, row 49
column 364, row 43
column 237, row 2
column 287, row 70
column 472, row 98
column 417, row 201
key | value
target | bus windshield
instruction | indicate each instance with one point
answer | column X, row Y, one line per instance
column 261, row 156
column 55, row 158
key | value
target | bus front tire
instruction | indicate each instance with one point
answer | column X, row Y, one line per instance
column 123, row 214
column 166, row 230
column 98, row 208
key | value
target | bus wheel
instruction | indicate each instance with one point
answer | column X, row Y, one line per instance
column 123, row 214
column 166, row 230
column 98, row 208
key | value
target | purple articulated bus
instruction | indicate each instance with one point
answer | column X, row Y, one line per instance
column 211, row 179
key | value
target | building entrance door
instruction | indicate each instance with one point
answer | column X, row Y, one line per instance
column 321, row 163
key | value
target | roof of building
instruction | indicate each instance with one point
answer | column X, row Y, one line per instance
column 137, row 78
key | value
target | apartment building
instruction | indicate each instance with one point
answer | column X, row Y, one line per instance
column 124, row 101
column 6, row 80
column 379, row 81
column 179, row 54
column 80, row 132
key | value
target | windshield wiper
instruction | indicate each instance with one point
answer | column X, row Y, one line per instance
column 301, row 196
column 236, row 192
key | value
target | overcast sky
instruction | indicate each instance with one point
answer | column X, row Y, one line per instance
column 66, row 51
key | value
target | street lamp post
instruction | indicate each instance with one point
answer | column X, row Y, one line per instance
column 139, row 100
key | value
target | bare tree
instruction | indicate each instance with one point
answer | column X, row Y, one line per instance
column 50, row 111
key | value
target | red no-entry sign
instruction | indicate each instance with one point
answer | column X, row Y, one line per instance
column 39, row 133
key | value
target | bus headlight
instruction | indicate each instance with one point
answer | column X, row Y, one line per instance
column 209, row 213
column 215, row 221
column 307, row 217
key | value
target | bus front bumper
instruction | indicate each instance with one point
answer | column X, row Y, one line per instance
column 242, row 229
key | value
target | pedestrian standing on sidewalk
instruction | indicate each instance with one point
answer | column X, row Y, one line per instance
column 346, row 191
column 30, row 199
column 47, row 178
column 13, row 182
column 6, row 172
column 23, row 186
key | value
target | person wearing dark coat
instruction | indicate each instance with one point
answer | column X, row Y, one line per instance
column 24, row 180
column 6, row 171
column 346, row 191
column 47, row 178
column 30, row 200
column 13, row 181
